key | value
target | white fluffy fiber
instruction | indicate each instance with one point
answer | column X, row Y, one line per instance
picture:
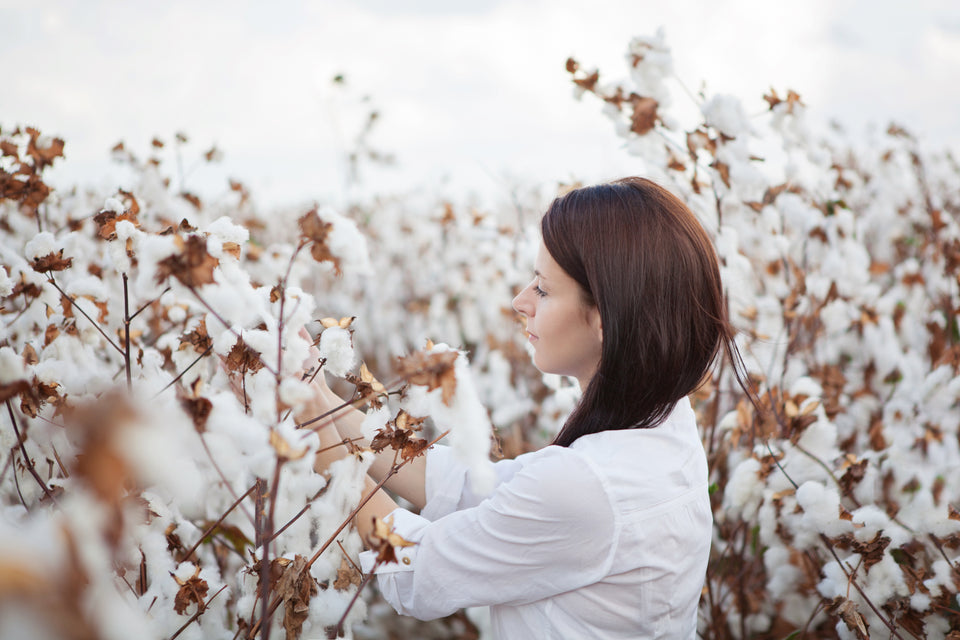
column 336, row 345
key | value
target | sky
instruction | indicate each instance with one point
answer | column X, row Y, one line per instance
column 471, row 95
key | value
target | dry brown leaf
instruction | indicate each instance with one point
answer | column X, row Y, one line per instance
column 431, row 370
column 193, row 589
column 296, row 587
column 243, row 359
column 384, row 540
column 193, row 266
column 347, row 576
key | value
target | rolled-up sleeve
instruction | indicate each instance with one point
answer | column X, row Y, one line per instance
column 547, row 529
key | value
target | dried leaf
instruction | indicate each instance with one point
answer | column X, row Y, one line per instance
column 296, row 587
column 193, row 266
column 431, row 370
column 315, row 231
column 52, row 262
column 384, row 540
column 347, row 576
column 192, row 590
column 243, row 359
column 198, row 338
column 644, row 116
column 199, row 410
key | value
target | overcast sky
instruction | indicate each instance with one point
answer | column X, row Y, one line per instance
column 472, row 93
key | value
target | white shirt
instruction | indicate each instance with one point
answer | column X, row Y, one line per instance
column 608, row 538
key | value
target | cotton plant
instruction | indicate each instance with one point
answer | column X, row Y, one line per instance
column 834, row 496
column 152, row 374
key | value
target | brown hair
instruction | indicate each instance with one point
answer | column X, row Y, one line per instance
column 640, row 255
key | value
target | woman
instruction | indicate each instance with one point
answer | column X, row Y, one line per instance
column 605, row 533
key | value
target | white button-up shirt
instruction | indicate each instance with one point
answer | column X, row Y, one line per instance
column 608, row 538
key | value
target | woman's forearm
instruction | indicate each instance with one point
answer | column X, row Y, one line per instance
column 408, row 482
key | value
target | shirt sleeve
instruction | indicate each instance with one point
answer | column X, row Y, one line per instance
column 448, row 485
column 549, row 529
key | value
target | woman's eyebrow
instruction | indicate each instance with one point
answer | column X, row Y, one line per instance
column 538, row 274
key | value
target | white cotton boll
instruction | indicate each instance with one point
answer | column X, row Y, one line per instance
column 347, row 243
column 821, row 508
column 117, row 252
column 91, row 286
column 42, row 244
column 12, row 367
column 125, row 230
column 115, row 205
column 376, row 419
column 725, row 113
column 744, row 490
column 326, row 611
column 470, row 429
column 295, row 392
column 176, row 314
column 6, row 284
column 820, row 439
column 336, row 345
column 806, row 386
column 873, row 519
column 226, row 230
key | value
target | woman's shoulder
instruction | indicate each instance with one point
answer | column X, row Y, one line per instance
column 647, row 466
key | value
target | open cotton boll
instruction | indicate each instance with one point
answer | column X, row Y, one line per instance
column 44, row 243
column 295, row 393
column 6, row 284
column 821, row 509
column 347, row 243
column 466, row 419
column 336, row 346
column 224, row 229
column 725, row 113
column 12, row 366
column 376, row 419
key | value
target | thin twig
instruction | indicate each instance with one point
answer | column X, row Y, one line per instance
column 353, row 600
column 180, row 375
column 126, row 333
column 265, row 555
column 142, row 308
column 226, row 324
column 84, row 313
column 200, row 611
column 343, row 525
column 301, row 512
column 223, row 477
column 26, row 457
column 216, row 524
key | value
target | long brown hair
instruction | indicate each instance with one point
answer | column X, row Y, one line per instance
column 640, row 255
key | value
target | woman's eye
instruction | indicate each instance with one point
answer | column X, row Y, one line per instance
column 540, row 292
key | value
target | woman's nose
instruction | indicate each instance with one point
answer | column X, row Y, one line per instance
column 521, row 302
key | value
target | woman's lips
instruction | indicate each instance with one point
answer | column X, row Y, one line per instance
column 531, row 337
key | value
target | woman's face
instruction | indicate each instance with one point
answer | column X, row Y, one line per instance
column 564, row 331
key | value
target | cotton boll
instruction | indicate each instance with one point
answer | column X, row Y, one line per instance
column 226, row 230
column 466, row 420
column 347, row 243
column 821, row 507
column 744, row 490
column 725, row 113
column 336, row 346
column 12, row 367
column 376, row 419
column 295, row 393
column 114, row 205
column 6, row 284
column 42, row 244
